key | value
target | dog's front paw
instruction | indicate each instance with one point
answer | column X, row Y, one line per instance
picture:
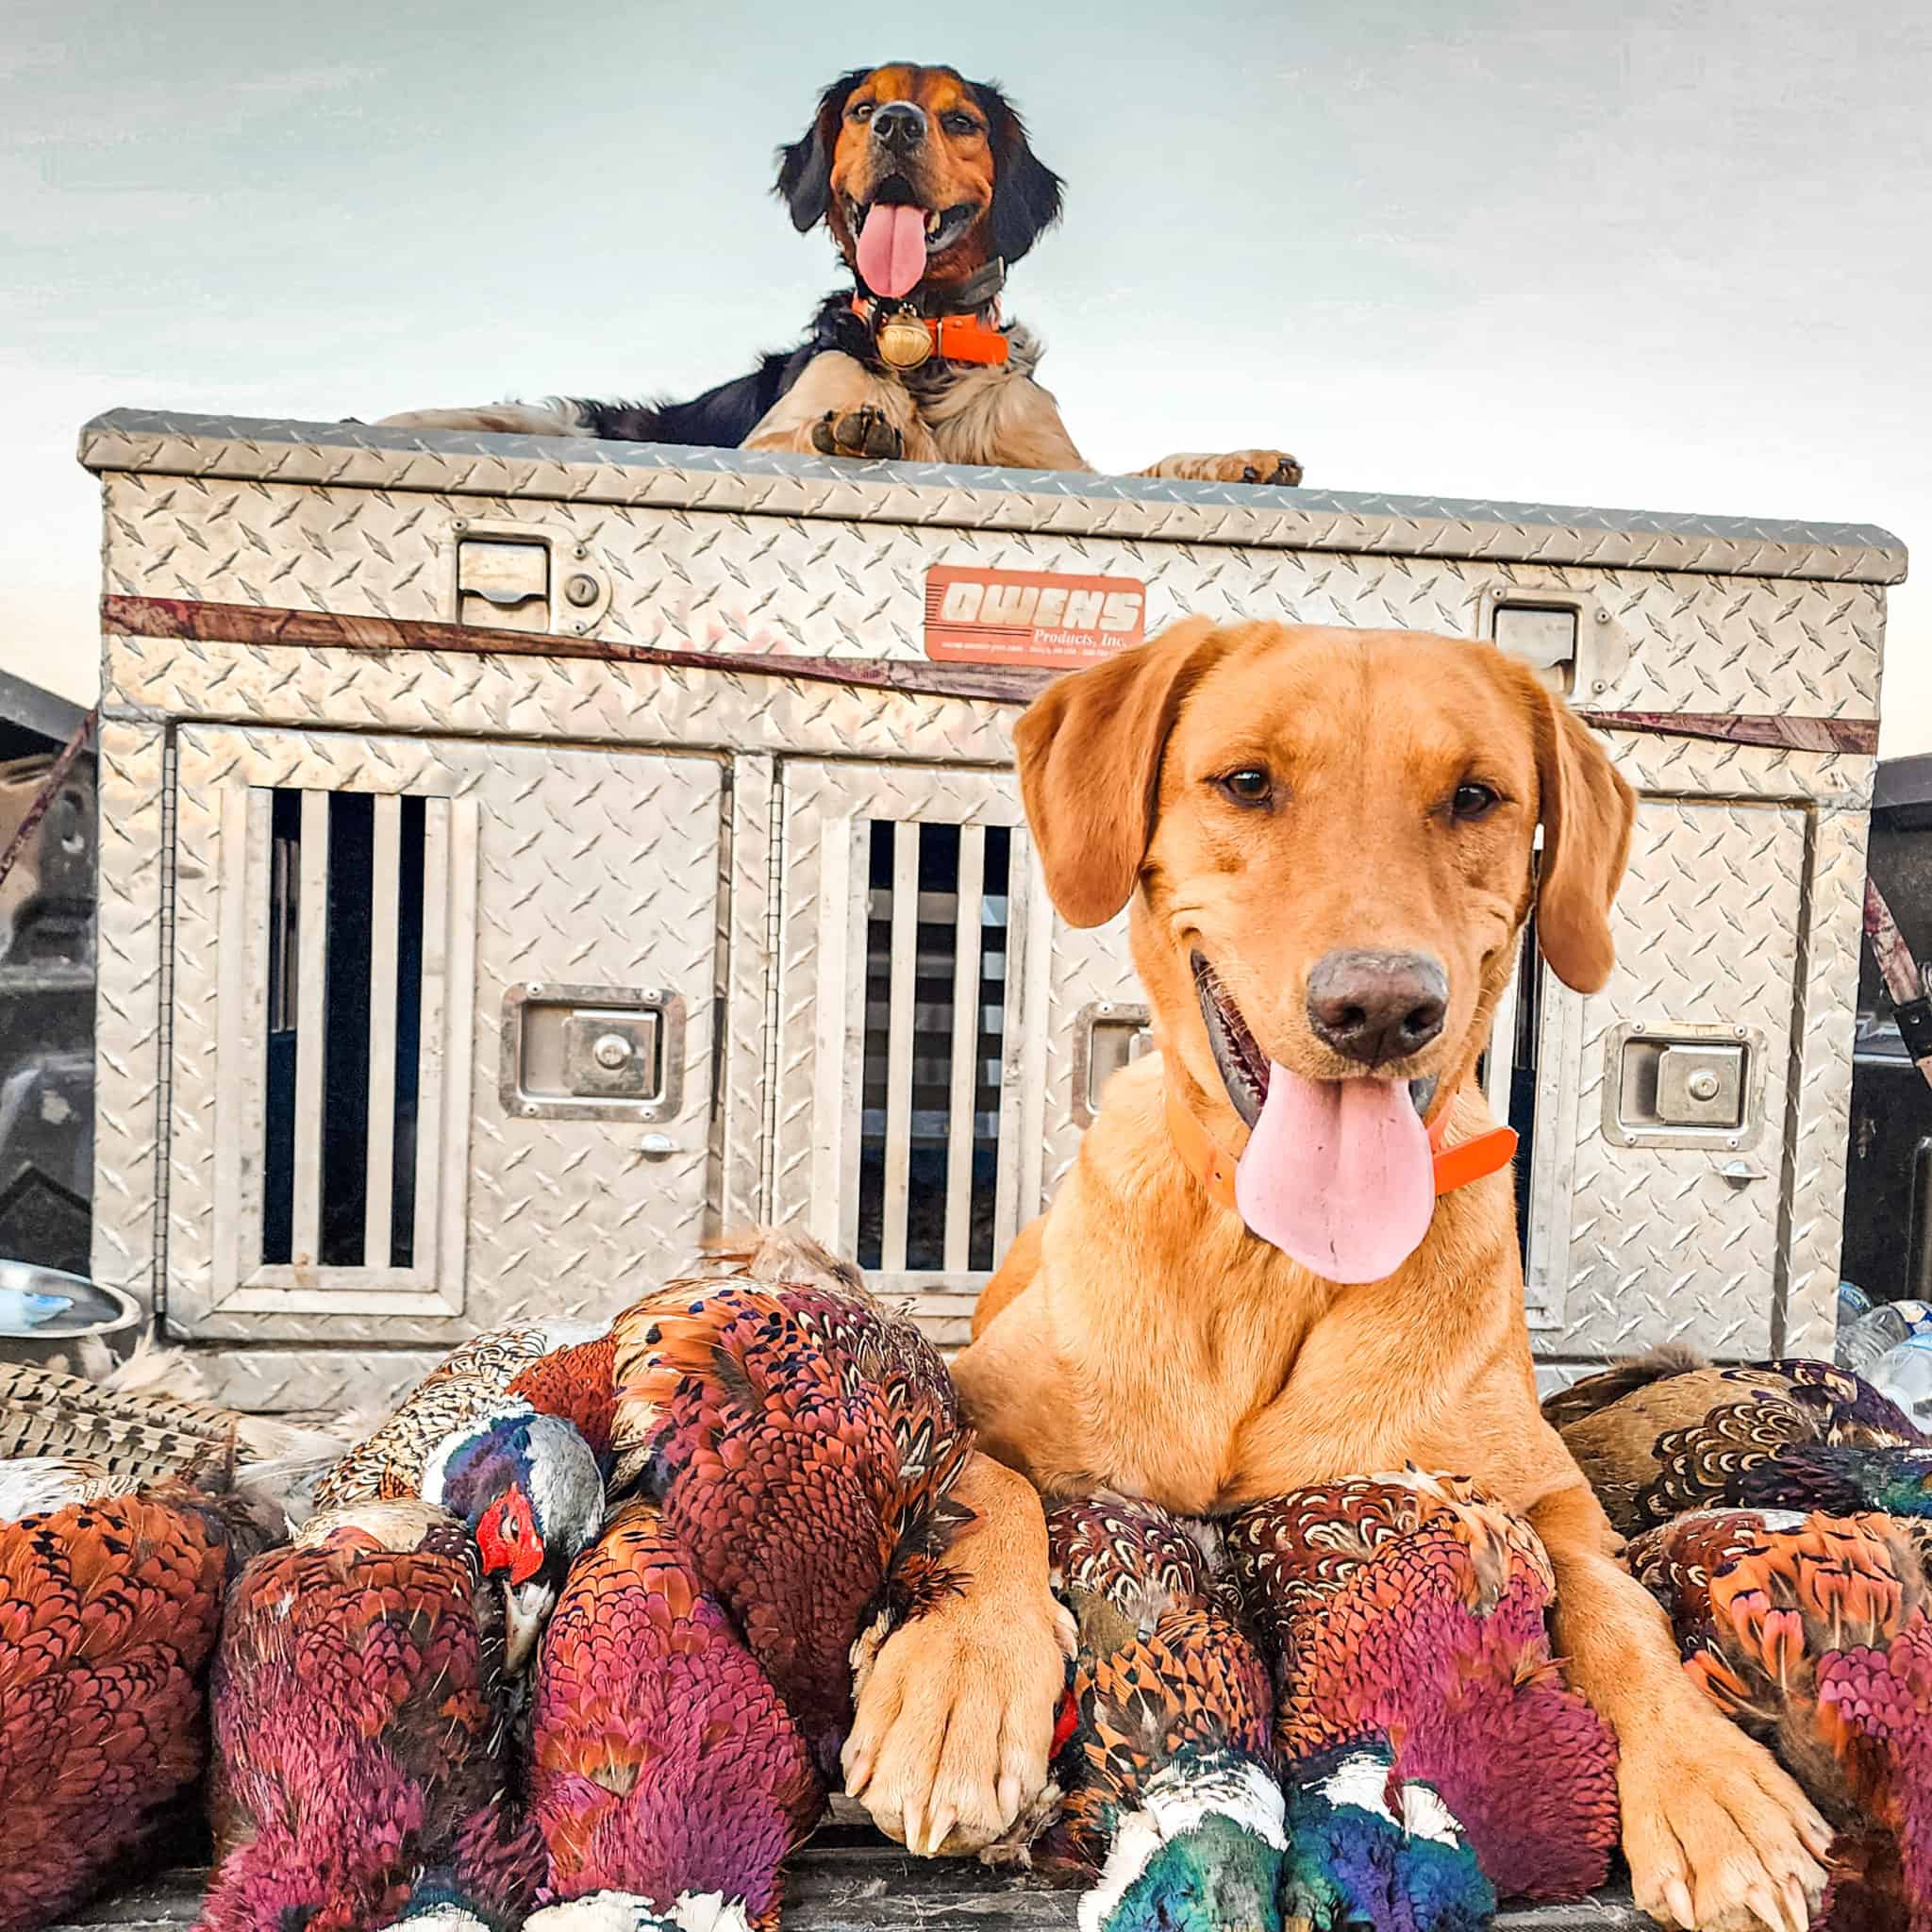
column 1273, row 466
column 955, row 1722
column 1717, row 1835
column 865, row 432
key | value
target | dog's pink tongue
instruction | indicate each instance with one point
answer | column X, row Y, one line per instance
column 891, row 249
column 1338, row 1176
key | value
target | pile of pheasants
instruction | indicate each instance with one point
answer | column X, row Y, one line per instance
column 574, row 1636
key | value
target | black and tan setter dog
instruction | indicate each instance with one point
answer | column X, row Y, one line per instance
column 932, row 193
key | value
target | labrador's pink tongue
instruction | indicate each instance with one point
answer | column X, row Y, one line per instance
column 891, row 249
column 1338, row 1176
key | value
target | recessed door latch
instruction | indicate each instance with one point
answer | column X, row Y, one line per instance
column 523, row 576
column 1684, row 1086
column 591, row 1053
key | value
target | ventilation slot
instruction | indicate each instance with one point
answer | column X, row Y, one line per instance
column 349, row 879
column 936, row 958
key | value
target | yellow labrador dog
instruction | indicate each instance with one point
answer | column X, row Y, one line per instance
column 1325, row 837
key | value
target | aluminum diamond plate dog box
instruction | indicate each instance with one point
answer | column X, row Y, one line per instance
column 520, row 857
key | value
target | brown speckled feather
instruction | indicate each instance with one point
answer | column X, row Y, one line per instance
column 1812, row 1632
column 1679, row 1439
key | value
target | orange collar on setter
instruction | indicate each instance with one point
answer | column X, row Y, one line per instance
column 905, row 338
column 1214, row 1166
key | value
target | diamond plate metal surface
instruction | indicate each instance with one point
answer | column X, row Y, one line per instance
column 1661, row 1246
column 345, row 456
column 1818, row 1128
column 1742, row 904
column 1088, row 967
column 747, row 947
column 595, row 867
column 333, row 1381
column 798, row 586
column 128, row 1007
column 547, row 699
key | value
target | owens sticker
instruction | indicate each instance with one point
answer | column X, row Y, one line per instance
column 1030, row 617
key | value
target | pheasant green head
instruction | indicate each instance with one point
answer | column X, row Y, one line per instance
column 1200, row 1853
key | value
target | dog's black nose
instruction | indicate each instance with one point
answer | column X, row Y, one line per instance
column 899, row 125
column 1377, row 1006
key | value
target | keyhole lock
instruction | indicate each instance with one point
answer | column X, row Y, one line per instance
column 1703, row 1085
column 581, row 588
column 611, row 1051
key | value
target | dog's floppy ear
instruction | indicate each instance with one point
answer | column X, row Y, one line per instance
column 805, row 168
column 1587, row 812
column 1090, row 750
column 1026, row 191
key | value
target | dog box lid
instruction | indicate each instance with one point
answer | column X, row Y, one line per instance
column 352, row 456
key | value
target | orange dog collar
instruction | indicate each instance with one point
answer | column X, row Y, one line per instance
column 1214, row 1166
column 906, row 340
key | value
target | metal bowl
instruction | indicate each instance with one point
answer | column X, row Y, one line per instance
column 36, row 1327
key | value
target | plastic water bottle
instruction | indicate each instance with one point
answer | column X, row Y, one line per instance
column 1904, row 1374
column 1875, row 1333
column 1852, row 1302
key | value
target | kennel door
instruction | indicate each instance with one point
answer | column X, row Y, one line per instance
column 1660, row 1197
column 912, row 994
column 476, row 1089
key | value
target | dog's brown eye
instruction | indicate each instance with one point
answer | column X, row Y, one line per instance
column 1473, row 802
column 1250, row 785
column 861, row 110
column 961, row 123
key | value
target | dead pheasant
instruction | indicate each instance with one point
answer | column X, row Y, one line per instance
column 125, row 1509
column 508, row 1432
column 141, row 1424
column 108, row 1611
column 1167, row 1805
column 1419, row 1710
column 359, row 1742
column 1668, row 1433
column 1815, row 1634
column 665, row 1771
column 799, row 1439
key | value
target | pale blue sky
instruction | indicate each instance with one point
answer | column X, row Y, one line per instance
column 1671, row 255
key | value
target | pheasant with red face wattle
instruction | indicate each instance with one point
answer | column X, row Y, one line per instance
column 359, row 1740
column 1815, row 1634
column 1163, row 1798
column 1435, row 1757
column 1668, row 1433
column 509, row 1433
column 788, row 1444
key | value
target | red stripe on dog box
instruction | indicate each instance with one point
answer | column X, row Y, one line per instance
column 1037, row 617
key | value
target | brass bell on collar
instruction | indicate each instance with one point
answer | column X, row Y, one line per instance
column 903, row 342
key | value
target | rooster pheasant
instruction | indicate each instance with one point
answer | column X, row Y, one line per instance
column 125, row 1509
column 1668, row 1433
column 508, row 1432
column 108, row 1611
column 1418, row 1706
column 358, row 1737
column 1162, row 1792
column 1815, row 1634
column 800, row 1440
column 788, row 1445
column 664, row 1768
